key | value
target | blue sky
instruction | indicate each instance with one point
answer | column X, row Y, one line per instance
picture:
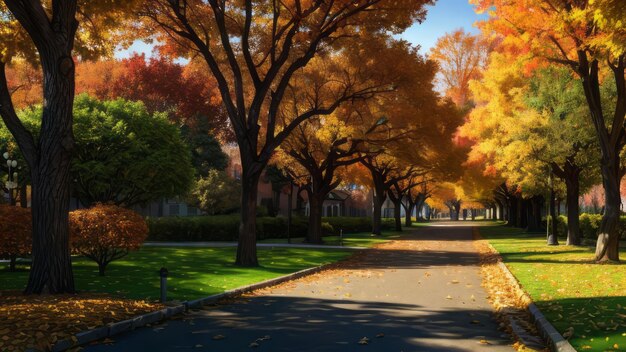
column 445, row 16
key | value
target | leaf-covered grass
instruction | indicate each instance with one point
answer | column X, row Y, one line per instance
column 194, row 272
column 364, row 239
column 576, row 295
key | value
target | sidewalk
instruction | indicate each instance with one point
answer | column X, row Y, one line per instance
column 419, row 293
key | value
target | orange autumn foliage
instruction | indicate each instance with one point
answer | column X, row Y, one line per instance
column 104, row 233
column 15, row 232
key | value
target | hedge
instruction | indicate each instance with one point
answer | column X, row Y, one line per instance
column 589, row 225
column 226, row 227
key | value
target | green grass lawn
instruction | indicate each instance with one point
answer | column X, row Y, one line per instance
column 571, row 290
column 194, row 272
column 364, row 239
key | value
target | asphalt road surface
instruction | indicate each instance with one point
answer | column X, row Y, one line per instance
column 418, row 293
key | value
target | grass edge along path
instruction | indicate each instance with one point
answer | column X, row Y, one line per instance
column 506, row 296
column 584, row 301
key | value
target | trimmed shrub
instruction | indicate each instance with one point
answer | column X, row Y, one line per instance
column 196, row 228
column 589, row 225
column 561, row 225
column 104, row 233
column 16, row 233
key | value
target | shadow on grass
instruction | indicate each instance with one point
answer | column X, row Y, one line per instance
column 313, row 324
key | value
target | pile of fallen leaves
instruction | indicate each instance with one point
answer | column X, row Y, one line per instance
column 40, row 321
column 505, row 293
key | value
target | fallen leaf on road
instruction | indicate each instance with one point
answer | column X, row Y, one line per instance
column 380, row 335
column 364, row 341
column 484, row 342
column 218, row 337
column 448, row 297
column 454, row 281
column 253, row 345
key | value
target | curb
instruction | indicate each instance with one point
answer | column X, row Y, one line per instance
column 556, row 341
column 110, row 330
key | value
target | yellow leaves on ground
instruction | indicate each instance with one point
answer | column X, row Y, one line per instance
column 40, row 321
column 505, row 294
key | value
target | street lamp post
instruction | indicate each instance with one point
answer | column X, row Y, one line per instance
column 11, row 182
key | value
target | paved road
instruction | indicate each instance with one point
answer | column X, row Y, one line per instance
column 422, row 292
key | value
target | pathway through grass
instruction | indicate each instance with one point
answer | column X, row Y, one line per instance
column 575, row 294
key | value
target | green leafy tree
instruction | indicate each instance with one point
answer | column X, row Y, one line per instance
column 124, row 155
column 206, row 151
column 217, row 193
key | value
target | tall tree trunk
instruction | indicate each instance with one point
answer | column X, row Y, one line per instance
column 611, row 143
column 552, row 232
column 408, row 216
column 51, row 269
column 316, row 203
column 379, row 199
column 573, row 212
column 419, row 207
column 49, row 156
column 246, row 247
column 607, row 246
column 397, row 214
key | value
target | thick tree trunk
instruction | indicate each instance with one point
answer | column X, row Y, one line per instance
column 316, row 203
column 573, row 211
column 611, row 145
column 246, row 247
column 408, row 216
column 51, row 269
column 607, row 246
column 379, row 199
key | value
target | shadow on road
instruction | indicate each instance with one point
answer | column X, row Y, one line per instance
column 296, row 324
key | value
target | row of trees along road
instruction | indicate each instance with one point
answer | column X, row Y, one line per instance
column 588, row 40
column 372, row 134
column 255, row 52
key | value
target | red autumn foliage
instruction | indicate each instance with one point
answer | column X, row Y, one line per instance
column 104, row 233
column 16, row 236
column 188, row 95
